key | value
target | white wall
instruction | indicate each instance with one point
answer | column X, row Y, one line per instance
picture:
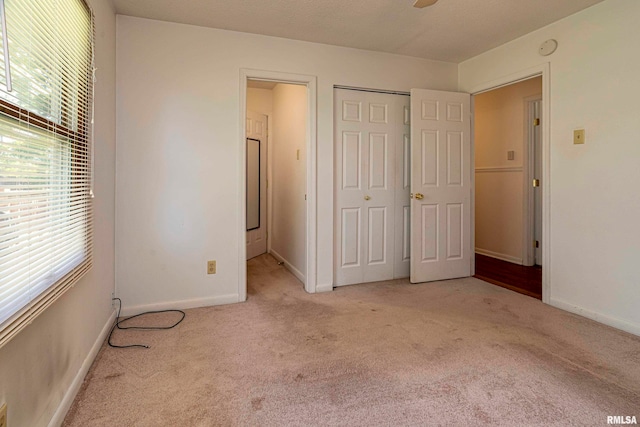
column 41, row 367
column 177, row 159
column 260, row 100
column 500, row 127
column 288, row 171
column 594, row 226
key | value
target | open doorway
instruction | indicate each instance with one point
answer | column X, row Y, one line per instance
column 276, row 178
column 310, row 84
column 508, row 199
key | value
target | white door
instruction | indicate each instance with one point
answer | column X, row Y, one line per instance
column 369, row 134
column 402, row 255
column 440, row 185
column 537, row 191
column 256, row 190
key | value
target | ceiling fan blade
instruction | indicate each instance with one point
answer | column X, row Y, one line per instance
column 424, row 3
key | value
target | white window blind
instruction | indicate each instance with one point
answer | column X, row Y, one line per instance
column 45, row 155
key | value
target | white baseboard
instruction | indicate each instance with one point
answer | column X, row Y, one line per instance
column 72, row 391
column 632, row 328
column 325, row 287
column 288, row 266
column 498, row 255
column 180, row 305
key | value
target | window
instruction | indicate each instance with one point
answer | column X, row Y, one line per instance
column 46, row 98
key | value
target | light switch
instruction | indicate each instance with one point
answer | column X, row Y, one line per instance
column 511, row 155
column 297, row 154
column 578, row 136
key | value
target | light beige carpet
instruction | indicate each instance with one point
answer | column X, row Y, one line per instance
column 459, row 352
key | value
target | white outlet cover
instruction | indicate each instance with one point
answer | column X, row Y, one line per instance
column 548, row 47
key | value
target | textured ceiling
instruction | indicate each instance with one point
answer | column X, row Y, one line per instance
column 451, row 30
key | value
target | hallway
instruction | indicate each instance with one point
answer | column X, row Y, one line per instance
column 268, row 278
column 518, row 278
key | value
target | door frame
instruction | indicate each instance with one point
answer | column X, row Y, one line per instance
column 529, row 208
column 542, row 70
column 311, row 220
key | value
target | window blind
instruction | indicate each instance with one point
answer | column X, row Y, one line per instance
column 46, row 96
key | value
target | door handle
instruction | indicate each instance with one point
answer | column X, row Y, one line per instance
column 419, row 196
column 367, row 197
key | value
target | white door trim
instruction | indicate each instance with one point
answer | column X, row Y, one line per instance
column 311, row 83
column 528, row 207
column 544, row 71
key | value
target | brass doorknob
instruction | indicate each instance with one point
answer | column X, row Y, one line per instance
column 367, row 197
column 419, row 196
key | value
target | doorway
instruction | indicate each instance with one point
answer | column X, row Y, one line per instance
column 276, row 173
column 508, row 199
column 277, row 206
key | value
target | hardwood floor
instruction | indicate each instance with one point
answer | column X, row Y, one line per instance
column 518, row 278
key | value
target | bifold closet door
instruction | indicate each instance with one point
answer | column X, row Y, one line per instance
column 369, row 139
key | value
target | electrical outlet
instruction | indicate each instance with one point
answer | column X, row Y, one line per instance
column 3, row 415
column 578, row 136
column 211, row 267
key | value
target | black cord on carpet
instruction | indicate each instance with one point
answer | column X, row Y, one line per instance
column 119, row 322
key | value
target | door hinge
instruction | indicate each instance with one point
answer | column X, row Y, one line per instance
column 305, row 197
column 266, row 235
column 536, row 183
column 536, row 122
column 267, row 183
column 536, row 244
